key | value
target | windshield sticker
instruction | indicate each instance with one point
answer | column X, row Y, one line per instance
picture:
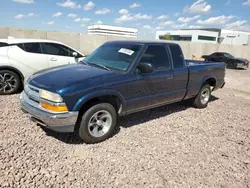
column 126, row 51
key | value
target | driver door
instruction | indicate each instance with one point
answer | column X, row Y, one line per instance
column 152, row 89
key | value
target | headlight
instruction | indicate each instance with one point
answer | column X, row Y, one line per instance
column 47, row 95
column 56, row 104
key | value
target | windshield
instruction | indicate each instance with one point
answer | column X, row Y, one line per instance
column 228, row 56
column 114, row 56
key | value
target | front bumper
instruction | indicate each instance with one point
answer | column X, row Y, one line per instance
column 242, row 65
column 58, row 122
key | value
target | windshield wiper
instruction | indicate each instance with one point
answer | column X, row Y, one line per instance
column 100, row 66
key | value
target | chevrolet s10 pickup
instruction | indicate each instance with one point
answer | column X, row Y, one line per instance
column 118, row 78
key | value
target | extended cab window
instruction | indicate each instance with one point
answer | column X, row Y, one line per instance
column 156, row 55
column 177, row 56
column 31, row 47
column 56, row 49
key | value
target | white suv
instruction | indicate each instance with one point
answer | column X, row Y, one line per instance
column 20, row 58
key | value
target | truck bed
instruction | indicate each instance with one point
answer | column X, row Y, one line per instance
column 199, row 70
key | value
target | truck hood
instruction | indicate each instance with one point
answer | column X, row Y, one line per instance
column 61, row 77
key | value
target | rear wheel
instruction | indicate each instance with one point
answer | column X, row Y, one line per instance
column 98, row 123
column 202, row 99
column 10, row 82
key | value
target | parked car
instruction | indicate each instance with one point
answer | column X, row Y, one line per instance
column 118, row 78
column 231, row 61
column 20, row 58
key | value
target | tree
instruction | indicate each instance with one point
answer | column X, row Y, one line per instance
column 167, row 37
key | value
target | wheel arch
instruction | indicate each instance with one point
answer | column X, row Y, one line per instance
column 10, row 68
column 110, row 96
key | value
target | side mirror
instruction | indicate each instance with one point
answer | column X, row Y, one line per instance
column 145, row 67
column 75, row 54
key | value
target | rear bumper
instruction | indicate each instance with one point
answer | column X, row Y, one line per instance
column 58, row 122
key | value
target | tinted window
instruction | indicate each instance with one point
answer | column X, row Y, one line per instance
column 2, row 44
column 30, row 47
column 200, row 37
column 157, row 56
column 56, row 49
column 177, row 56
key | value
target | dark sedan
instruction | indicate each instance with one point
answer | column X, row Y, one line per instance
column 231, row 61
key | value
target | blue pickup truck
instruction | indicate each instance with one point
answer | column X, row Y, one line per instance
column 118, row 78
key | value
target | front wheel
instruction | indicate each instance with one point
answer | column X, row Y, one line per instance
column 231, row 65
column 202, row 99
column 10, row 82
column 98, row 123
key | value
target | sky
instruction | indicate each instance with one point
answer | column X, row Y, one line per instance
column 145, row 15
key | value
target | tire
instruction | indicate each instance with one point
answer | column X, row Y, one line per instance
column 231, row 65
column 10, row 82
column 98, row 123
column 202, row 99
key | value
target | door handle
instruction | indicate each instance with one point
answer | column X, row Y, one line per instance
column 53, row 59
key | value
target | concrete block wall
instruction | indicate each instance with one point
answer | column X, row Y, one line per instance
column 87, row 43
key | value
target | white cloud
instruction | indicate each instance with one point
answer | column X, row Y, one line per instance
column 167, row 23
column 31, row 14
column 194, row 26
column 89, row 6
column 147, row 27
column 72, row 15
column 247, row 3
column 188, row 19
column 178, row 26
column 99, row 22
column 69, row 4
column 220, row 20
column 130, row 17
column 228, row 3
column 24, row 1
column 177, row 14
column 125, row 18
column 198, row 7
column 135, row 5
column 82, row 19
column 123, row 11
column 163, row 17
column 159, row 28
column 50, row 23
column 58, row 14
column 236, row 24
column 143, row 16
column 19, row 16
column 103, row 11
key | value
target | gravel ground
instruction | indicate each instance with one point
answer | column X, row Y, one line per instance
column 171, row 146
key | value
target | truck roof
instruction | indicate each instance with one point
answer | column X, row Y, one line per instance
column 142, row 42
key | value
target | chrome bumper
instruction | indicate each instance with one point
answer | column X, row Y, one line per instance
column 58, row 122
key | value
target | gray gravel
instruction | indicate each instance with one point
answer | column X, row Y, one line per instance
column 171, row 146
